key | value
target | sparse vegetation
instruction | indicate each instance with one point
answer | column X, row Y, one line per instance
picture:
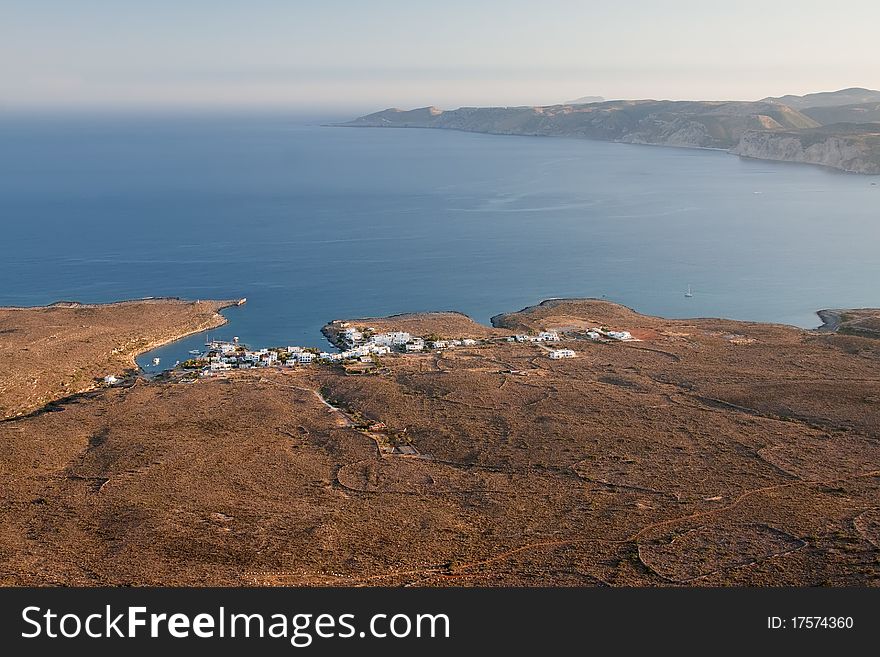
column 686, row 458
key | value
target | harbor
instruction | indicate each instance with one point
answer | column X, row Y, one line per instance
column 359, row 349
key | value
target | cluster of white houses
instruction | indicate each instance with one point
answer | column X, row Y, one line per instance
column 601, row 333
column 222, row 355
column 543, row 336
column 394, row 341
column 363, row 345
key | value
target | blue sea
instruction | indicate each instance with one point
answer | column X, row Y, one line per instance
column 313, row 223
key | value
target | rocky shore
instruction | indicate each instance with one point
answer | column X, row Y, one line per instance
column 782, row 129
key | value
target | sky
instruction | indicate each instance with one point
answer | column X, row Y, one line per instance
column 362, row 56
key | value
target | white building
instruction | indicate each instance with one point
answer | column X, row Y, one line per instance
column 382, row 339
column 439, row 344
column 559, row 354
column 415, row 345
column 548, row 336
column 352, row 335
column 399, row 338
column 305, row 357
column 111, row 380
column 620, row 335
column 469, row 342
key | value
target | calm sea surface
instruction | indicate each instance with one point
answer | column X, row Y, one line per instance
column 313, row 223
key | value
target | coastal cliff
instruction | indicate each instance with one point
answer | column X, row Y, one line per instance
column 667, row 123
column 791, row 131
column 856, row 150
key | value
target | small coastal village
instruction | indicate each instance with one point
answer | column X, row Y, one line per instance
column 364, row 346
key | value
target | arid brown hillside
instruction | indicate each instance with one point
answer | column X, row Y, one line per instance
column 51, row 352
column 711, row 452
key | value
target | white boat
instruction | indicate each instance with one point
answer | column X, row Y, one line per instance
column 194, row 352
column 155, row 361
column 689, row 293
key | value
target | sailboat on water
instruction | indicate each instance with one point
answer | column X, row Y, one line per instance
column 689, row 293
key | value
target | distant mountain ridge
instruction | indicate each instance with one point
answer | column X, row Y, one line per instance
column 584, row 100
column 858, row 113
column 852, row 96
column 728, row 125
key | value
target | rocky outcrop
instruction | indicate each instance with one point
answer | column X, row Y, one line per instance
column 856, row 152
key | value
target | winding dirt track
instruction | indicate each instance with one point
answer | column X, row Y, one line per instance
column 456, row 572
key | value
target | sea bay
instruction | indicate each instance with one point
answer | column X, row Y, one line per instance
column 312, row 223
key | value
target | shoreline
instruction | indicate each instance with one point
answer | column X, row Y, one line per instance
column 98, row 346
column 227, row 303
column 715, row 149
column 231, row 303
column 497, row 320
column 830, row 320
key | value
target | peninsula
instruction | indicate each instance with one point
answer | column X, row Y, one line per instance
column 51, row 352
column 837, row 129
column 654, row 452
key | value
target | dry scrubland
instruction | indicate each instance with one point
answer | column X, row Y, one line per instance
column 710, row 453
column 51, row 352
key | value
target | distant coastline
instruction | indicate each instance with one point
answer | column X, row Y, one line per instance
column 783, row 129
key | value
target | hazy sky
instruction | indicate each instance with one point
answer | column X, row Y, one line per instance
column 338, row 54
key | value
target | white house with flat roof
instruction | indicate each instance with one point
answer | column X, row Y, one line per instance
column 559, row 354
